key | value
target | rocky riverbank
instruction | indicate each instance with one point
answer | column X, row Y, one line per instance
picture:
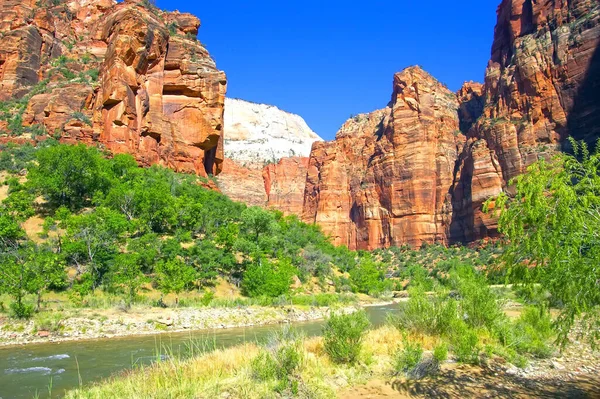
column 93, row 324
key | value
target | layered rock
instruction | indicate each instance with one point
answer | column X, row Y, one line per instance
column 385, row 180
column 242, row 184
column 267, row 153
column 285, row 183
column 540, row 79
column 541, row 86
column 259, row 134
column 397, row 176
column 158, row 94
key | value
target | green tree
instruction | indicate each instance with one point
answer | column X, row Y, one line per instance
column 368, row 277
column 10, row 230
column 49, row 270
column 174, row 276
column 126, row 275
column 17, row 277
column 92, row 240
column 69, row 175
column 256, row 222
column 19, row 202
column 552, row 225
column 265, row 278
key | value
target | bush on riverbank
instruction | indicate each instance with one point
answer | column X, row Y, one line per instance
column 467, row 315
column 343, row 336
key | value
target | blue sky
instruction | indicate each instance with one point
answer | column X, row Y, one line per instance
column 327, row 60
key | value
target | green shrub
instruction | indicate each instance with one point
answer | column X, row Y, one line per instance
column 343, row 335
column 432, row 315
column 207, row 298
column 49, row 321
column 264, row 367
column 477, row 301
column 408, row 357
column 369, row 278
column 440, row 352
column 280, row 361
column 530, row 333
column 266, row 278
column 21, row 310
column 465, row 343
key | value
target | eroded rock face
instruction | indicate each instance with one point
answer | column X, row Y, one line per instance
column 541, row 86
column 129, row 77
column 285, row 183
column 243, row 184
column 267, row 152
column 538, row 85
column 421, row 169
column 385, row 179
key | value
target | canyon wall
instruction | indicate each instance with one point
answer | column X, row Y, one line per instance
column 385, row 179
column 126, row 76
column 131, row 78
column 541, row 86
column 267, row 153
column 419, row 170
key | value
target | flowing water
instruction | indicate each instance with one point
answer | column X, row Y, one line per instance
column 41, row 369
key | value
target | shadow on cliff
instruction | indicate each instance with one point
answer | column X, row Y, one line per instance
column 583, row 122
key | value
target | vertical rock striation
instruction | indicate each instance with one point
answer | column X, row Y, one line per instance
column 419, row 170
column 386, row 177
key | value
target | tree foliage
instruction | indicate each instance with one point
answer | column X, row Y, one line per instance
column 553, row 229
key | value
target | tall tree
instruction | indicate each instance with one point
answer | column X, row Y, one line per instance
column 552, row 225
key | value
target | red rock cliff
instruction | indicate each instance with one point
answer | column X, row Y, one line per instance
column 385, row 179
column 541, row 86
column 128, row 76
column 406, row 175
column 285, row 182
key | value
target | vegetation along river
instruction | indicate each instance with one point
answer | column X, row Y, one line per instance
column 47, row 370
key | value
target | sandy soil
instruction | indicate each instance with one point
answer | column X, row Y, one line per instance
column 574, row 373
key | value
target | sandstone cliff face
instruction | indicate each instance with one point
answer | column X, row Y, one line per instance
column 256, row 134
column 385, row 179
column 285, row 183
column 242, row 184
column 267, row 152
column 420, row 170
column 541, row 86
column 127, row 76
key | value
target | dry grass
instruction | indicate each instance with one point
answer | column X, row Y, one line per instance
column 227, row 373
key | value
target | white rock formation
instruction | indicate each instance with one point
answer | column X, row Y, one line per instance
column 257, row 134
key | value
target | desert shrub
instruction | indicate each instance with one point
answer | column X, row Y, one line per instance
column 440, row 352
column 280, row 360
column 418, row 276
column 264, row 367
column 530, row 333
column 48, row 321
column 433, row 315
column 207, row 297
column 343, row 335
column 465, row 343
column 477, row 302
column 20, row 310
column 408, row 357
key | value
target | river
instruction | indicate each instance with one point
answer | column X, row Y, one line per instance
column 47, row 370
